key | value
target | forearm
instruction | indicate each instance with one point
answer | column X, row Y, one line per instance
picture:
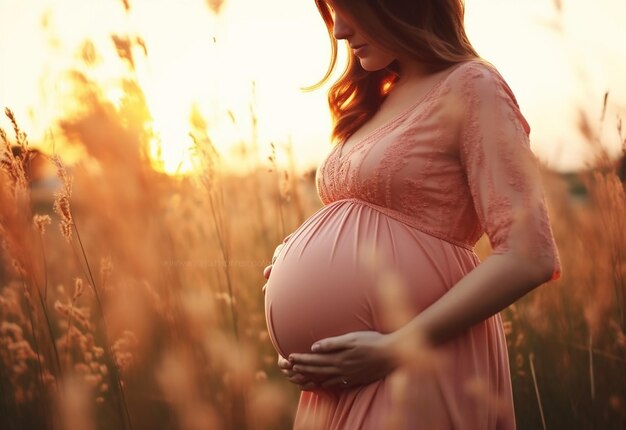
column 492, row 286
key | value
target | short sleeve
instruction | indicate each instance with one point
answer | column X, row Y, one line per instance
column 502, row 172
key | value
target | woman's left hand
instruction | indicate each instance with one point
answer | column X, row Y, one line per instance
column 348, row 360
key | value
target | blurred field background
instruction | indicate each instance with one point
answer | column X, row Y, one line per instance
column 135, row 226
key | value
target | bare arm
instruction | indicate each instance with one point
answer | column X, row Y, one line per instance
column 504, row 181
column 492, row 286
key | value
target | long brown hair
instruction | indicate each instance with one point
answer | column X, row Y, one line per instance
column 429, row 31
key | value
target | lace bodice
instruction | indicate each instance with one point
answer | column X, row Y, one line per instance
column 456, row 164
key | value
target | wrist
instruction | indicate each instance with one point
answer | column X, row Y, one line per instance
column 392, row 349
column 408, row 343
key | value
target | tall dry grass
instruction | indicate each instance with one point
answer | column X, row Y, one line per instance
column 133, row 296
column 567, row 341
column 132, row 300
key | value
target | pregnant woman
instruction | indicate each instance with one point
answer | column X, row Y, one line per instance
column 377, row 304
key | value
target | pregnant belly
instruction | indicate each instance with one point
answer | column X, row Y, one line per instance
column 326, row 283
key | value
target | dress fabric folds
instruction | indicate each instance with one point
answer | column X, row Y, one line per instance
column 418, row 192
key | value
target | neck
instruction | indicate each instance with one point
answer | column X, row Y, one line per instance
column 410, row 71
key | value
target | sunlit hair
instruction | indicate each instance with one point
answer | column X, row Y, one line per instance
column 429, row 31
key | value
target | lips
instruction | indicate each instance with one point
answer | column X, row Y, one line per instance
column 356, row 46
column 359, row 50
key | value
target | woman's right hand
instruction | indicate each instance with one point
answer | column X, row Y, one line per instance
column 268, row 269
column 285, row 365
column 297, row 378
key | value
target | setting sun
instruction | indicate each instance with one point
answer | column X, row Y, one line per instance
column 239, row 63
column 181, row 246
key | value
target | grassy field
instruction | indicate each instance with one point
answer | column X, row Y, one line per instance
column 132, row 299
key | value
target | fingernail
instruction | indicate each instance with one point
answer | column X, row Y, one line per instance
column 316, row 347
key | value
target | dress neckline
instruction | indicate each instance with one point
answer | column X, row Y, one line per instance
column 375, row 132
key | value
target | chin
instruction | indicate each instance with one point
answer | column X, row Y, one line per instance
column 372, row 65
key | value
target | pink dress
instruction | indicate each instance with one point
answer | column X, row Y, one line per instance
column 419, row 192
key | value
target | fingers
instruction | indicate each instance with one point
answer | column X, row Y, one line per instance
column 299, row 379
column 336, row 382
column 283, row 363
column 333, row 343
column 268, row 269
column 296, row 378
column 277, row 251
column 316, row 359
column 317, row 370
column 286, row 369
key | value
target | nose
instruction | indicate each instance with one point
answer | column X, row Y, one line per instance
column 341, row 28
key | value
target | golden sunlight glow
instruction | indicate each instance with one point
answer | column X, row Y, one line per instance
column 234, row 69
column 238, row 73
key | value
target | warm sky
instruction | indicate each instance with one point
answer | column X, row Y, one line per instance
column 555, row 63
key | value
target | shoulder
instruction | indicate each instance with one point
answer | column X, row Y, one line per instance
column 477, row 84
column 478, row 76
